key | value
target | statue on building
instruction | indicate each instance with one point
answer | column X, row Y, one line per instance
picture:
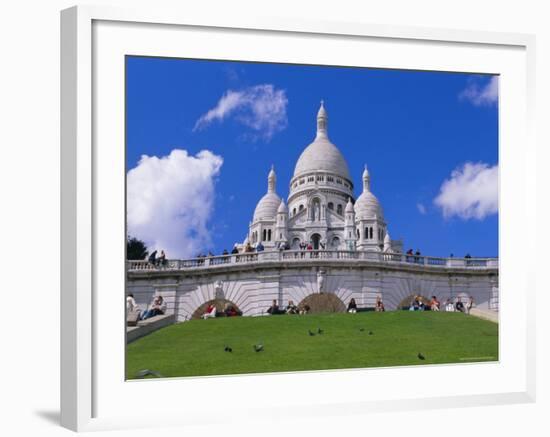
column 320, row 281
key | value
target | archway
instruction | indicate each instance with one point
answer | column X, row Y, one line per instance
column 220, row 305
column 315, row 240
column 406, row 302
column 323, row 303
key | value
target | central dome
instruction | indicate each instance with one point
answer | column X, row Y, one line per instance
column 322, row 155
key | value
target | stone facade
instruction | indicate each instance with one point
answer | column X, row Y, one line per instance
column 253, row 283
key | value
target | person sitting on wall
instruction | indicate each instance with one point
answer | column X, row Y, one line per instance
column 459, row 306
column 260, row 247
column 274, row 308
column 449, row 307
column 157, row 307
column 379, row 304
column 291, row 308
column 352, row 306
column 210, row 312
column 434, row 304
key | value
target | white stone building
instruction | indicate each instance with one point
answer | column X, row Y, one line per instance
column 322, row 209
column 352, row 257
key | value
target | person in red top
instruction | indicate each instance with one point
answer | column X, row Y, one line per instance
column 210, row 312
column 434, row 304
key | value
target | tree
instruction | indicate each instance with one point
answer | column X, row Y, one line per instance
column 135, row 249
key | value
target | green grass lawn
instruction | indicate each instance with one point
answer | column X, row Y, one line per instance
column 197, row 347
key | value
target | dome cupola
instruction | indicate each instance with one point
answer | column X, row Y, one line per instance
column 321, row 155
column 367, row 205
column 269, row 204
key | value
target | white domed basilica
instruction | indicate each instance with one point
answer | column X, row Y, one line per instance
column 322, row 209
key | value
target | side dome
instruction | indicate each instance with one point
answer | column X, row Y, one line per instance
column 321, row 154
column 267, row 207
column 368, row 206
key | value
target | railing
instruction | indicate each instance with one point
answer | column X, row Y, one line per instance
column 291, row 256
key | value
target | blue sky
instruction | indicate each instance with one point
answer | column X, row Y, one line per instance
column 412, row 129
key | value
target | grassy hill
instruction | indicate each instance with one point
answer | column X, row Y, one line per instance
column 348, row 341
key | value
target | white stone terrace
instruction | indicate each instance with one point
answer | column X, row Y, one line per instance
column 315, row 257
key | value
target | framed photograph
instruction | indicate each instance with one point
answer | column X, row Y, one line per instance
column 291, row 218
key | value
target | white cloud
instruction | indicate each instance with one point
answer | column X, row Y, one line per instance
column 170, row 201
column 470, row 192
column 261, row 108
column 481, row 95
column 421, row 208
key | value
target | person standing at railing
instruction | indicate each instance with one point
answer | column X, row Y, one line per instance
column 161, row 260
column 153, row 258
column 235, row 250
column 259, row 247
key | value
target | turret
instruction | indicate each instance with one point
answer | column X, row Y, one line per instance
column 281, row 228
column 350, row 234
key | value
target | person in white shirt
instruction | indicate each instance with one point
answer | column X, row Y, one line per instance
column 157, row 307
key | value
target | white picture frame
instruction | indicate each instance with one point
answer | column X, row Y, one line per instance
column 89, row 395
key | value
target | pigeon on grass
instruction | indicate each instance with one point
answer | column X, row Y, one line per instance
column 258, row 347
column 420, row 356
column 146, row 372
column 310, row 332
column 228, row 349
column 319, row 331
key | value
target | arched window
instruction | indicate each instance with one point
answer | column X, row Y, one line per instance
column 301, row 207
column 371, row 233
column 265, row 235
column 339, row 209
column 294, row 212
column 358, row 233
column 269, row 235
column 331, row 206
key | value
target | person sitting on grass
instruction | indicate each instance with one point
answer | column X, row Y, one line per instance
column 434, row 304
column 415, row 304
column 459, row 306
column 291, row 308
column 210, row 312
column 379, row 304
column 230, row 311
column 303, row 309
column 157, row 307
column 449, row 307
column 273, row 309
column 352, row 306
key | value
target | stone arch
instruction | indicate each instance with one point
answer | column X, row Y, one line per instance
column 218, row 303
column 406, row 302
column 323, row 303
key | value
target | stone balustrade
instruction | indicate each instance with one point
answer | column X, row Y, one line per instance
column 313, row 256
